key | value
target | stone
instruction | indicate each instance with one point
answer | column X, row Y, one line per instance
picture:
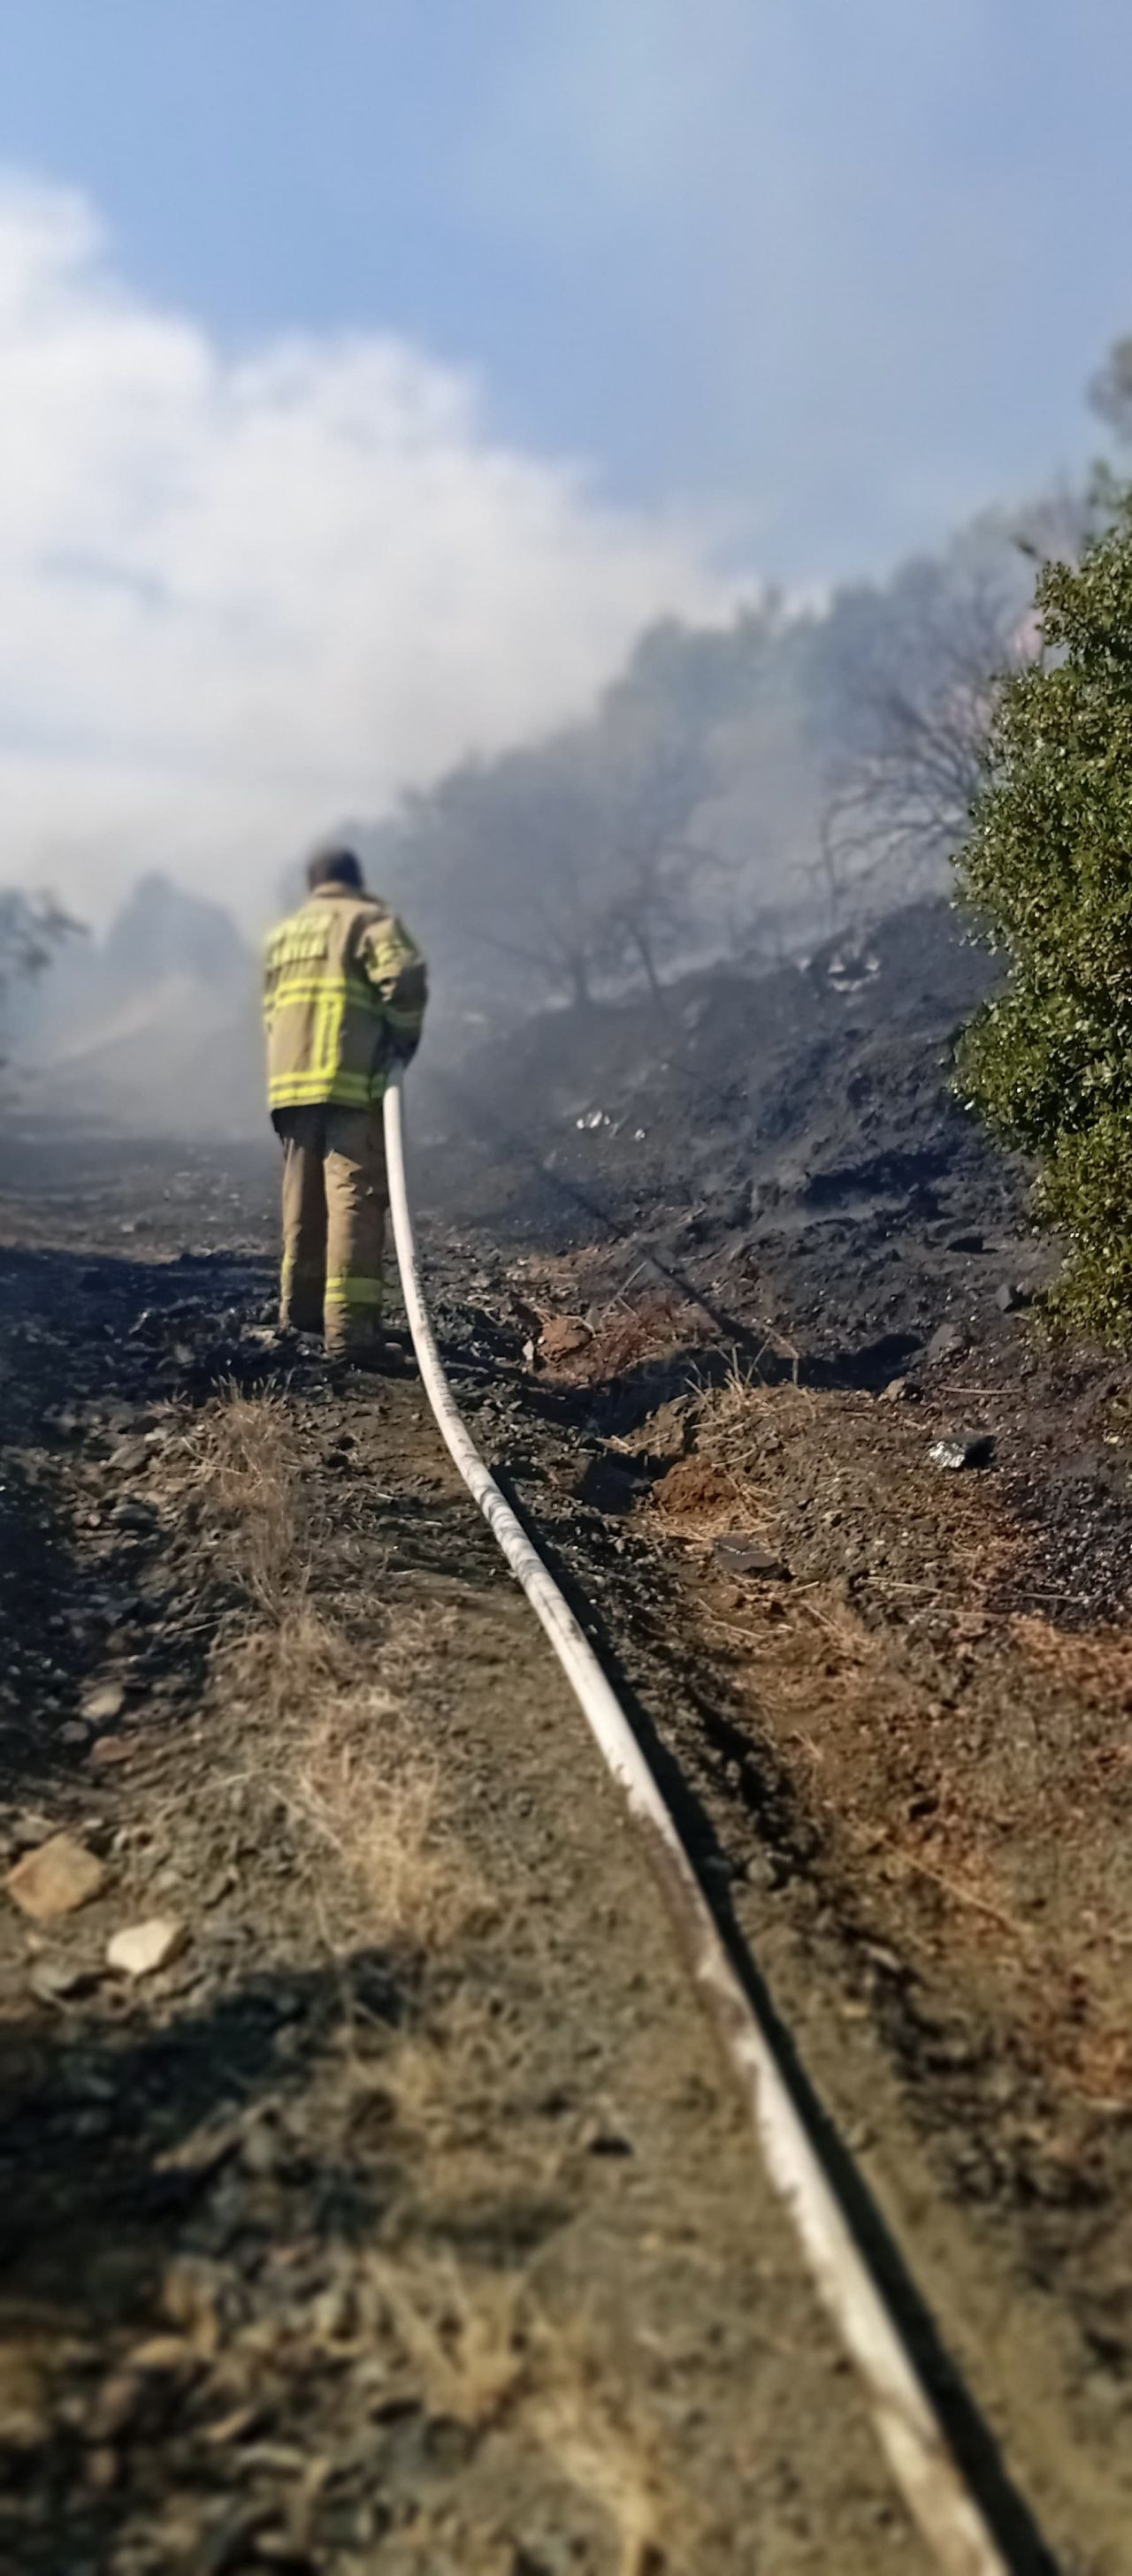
column 1010, row 1295
column 139, row 1949
column 30, row 1827
column 962, row 1449
column 104, row 1703
column 106, row 1750
column 895, row 1392
column 53, row 1980
column 604, row 2137
column 161, row 2354
column 947, row 1342
column 134, row 1513
column 55, row 1879
column 745, row 1556
column 130, row 1456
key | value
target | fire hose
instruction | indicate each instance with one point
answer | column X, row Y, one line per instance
column 910, row 2430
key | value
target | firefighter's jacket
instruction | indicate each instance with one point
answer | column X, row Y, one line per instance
column 344, row 998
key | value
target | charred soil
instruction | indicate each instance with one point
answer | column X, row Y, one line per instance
column 481, row 2268
column 394, row 2211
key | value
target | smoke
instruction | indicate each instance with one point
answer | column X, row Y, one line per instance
column 249, row 593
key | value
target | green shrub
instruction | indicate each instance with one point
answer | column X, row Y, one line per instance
column 1047, row 872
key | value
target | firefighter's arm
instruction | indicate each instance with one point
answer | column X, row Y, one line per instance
column 393, row 964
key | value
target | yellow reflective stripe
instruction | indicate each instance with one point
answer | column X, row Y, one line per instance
column 320, row 988
column 327, row 1045
column 349, row 1090
column 321, row 1084
column 350, row 1288
column 305, row 937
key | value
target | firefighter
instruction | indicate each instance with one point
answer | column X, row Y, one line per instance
column 344, row 998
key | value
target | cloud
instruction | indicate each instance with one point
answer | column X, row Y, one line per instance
column 249, row 593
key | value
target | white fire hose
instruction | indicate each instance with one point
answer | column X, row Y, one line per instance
column 912, row 2435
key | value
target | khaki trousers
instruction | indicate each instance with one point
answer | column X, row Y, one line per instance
column 334, row 1201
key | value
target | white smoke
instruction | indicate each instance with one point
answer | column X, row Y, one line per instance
column 246, row 595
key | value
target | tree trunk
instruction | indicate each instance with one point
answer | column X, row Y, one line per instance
column 643, row 948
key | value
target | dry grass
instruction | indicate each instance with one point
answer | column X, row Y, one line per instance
column 487, row 2355
column 241, row 1475
column 363, row 1806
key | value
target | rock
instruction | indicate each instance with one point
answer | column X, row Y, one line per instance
column 745, row 1556
column 947, row 1342
column 969, row 1242
column 55, row 1879
column 53, row 1980
column 963, row 1449
column 162, row 2354
column 895, row 1392
column 130, row 1456
column 134, row 1513
column 138, row 1949
column 106, row 1750
column 604, row 2137
column 30, row 1827
column 74, row 1732
column 103, row 1704
column 1011, row 1294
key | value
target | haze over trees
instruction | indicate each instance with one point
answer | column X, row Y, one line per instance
column 739, row 791
column 32, row 930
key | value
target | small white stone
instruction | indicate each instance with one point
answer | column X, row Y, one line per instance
column 103, row 1704
column 140, row 1948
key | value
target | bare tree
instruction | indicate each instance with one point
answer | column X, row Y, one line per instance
column 915, row 721
column 1110, row 393
column 576, row 859
column 32, row 928
column 655, row 780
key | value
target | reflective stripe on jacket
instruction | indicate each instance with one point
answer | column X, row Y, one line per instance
column 344, row 995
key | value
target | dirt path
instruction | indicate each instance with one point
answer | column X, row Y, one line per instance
column 403, row 2219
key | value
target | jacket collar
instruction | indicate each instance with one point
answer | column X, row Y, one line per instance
column 331, row 892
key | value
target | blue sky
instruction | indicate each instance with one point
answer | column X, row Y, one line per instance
column 835, row 270
column 372, row 370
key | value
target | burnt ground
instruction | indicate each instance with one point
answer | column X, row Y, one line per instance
column 404, row 2219
column 892, row 1701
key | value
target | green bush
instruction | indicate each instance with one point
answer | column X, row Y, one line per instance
column 1047, row 872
